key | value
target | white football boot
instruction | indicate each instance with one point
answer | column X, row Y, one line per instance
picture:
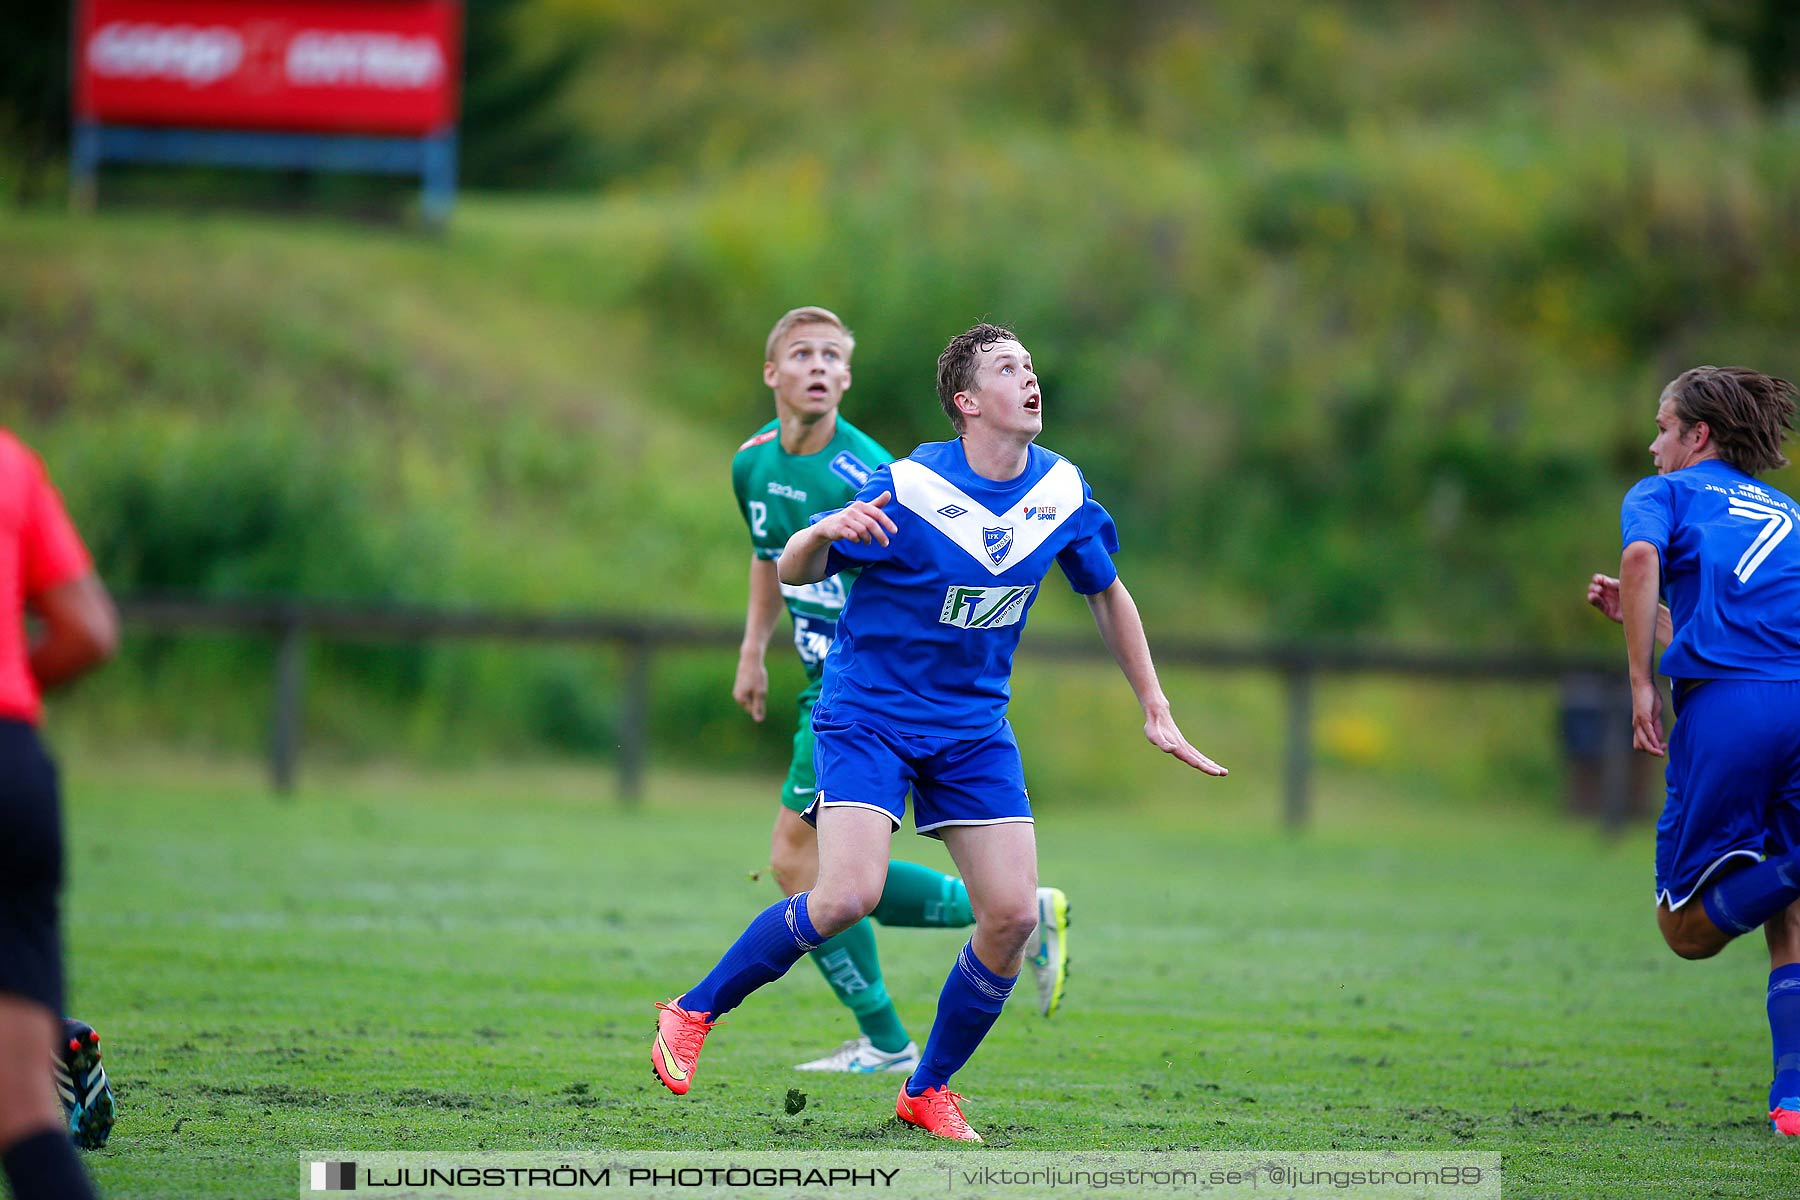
column 858, row 1056
column 1047, row 953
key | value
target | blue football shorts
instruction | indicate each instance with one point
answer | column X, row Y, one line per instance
column 1734, row 782
column 954, row 781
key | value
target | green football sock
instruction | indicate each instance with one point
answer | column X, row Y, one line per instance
column 918, row 896
column 853, row 969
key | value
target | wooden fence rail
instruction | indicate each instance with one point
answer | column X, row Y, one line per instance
column 1598, row 680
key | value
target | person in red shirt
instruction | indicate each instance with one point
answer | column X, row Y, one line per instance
column 44, row 571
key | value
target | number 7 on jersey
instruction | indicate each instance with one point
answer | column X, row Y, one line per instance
column 1776, row 525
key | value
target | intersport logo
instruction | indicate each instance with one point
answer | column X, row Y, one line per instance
column 190, row 54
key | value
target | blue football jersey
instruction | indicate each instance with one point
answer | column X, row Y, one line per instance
column 925, row 643
column 1730, row 570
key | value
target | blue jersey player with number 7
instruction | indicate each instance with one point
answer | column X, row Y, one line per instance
column 1721, row 547
column 952, row 542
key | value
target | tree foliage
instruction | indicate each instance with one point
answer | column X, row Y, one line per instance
column 515, row 131
column 1767, row 34
column 34, row 91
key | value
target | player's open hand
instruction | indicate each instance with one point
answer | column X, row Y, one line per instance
column 1603, row 594
column 1161, row 730
column 1646, row 718
column 860, row 521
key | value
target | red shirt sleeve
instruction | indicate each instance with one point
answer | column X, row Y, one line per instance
column 51, row 552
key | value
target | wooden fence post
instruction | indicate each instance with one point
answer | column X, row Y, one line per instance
column 634, row 720
column 290, row 678
column 1296, row 778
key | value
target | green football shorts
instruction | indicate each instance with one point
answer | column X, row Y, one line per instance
column 798, row 789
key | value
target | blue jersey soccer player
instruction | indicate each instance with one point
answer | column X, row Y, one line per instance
column 953, row 542
column 1719, row 545
column 807, row 459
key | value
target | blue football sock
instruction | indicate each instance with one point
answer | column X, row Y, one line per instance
column 1784, row 1032
column 967, row 1008
column 778, row 938
column 43, row 1166
column 1743, row 900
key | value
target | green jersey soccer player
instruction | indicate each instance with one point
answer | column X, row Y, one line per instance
column 810, row 460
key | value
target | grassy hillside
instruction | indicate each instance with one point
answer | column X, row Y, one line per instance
column 1354, row 316
column 503, row 441
column 237, row 407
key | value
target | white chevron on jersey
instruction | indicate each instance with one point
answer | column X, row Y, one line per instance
column 924, row 492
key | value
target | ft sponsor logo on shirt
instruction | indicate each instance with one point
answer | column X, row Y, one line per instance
column 984, row 607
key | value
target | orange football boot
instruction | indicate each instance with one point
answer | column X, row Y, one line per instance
column 935, row 1111
column 1785, row 1117
column 676, row 1050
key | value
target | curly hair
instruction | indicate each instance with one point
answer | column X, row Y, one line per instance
column 956, row 365
column 1750, row 414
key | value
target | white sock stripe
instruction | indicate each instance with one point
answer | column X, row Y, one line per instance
column 793, row 924
column 972, row 971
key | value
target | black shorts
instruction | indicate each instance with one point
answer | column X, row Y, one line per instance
column 31, row 869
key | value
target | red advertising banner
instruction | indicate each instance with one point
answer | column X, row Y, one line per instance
column 321, row 66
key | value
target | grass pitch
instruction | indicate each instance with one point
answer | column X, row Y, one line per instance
column 403, row 961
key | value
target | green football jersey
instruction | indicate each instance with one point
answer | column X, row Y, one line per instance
column 778, row 493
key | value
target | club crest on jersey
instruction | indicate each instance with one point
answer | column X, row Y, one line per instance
column 999, row 542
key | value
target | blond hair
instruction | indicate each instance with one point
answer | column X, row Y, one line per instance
column 811, row 314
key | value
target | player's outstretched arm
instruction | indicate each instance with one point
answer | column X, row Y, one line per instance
column 1640, row 579
column 1603, row 594
column 751, row 687
column 803, row 558
column 1123, row 632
